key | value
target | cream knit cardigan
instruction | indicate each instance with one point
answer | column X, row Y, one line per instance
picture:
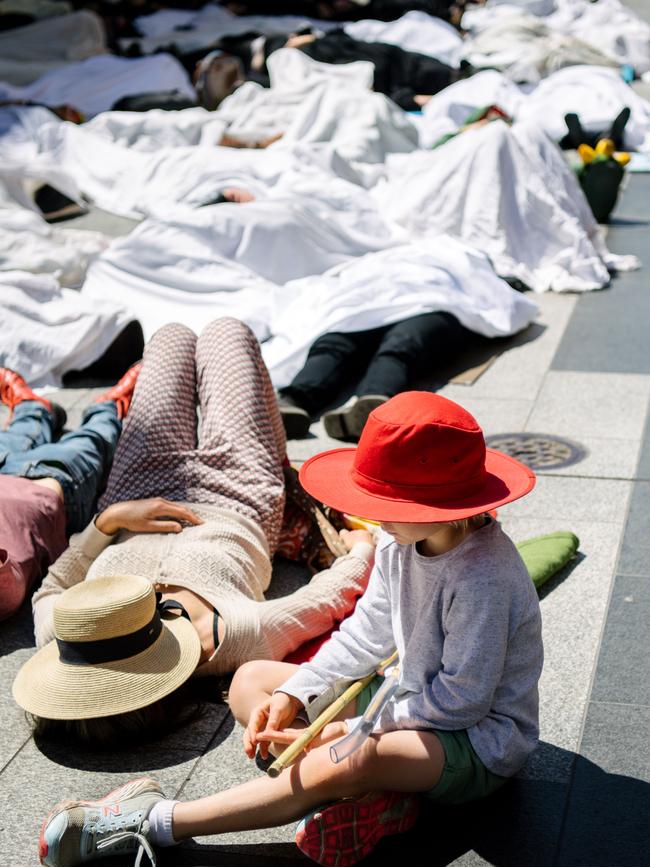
column 226, row 561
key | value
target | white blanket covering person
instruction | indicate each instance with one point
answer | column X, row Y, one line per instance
column 96, row 84
column 192, row 30
column 607, row 25
column 597, row 94
column 439, row 274
column 348, row 121
column 510, row 193
column 526, row 49
column 26, row 53
column 414, row 31
column 48, row 330
column 28, row 243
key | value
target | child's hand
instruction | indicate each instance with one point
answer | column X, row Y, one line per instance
column 351, row 537
column 275, row 713
column 331, row 732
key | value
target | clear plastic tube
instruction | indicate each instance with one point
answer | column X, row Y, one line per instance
column 351, row 742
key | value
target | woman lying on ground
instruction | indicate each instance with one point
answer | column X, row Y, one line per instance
column 198, row 517
column 49, row 489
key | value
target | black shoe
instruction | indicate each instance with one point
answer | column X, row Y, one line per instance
column 347, row 422
column 60, row 417
column 296, row 420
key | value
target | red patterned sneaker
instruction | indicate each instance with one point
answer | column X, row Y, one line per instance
column 122, row 392
column 347, row 831
column 14, row 390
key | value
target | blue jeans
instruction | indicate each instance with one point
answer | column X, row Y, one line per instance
column 79, row 461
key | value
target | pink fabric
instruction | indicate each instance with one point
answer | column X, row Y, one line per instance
column 32, row 535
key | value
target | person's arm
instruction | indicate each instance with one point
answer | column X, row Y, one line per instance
column 70, row 569
column 364, row 640
column 139, row 516
column 473, row 658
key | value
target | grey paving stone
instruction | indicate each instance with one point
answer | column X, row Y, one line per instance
column 35, row 781
column 623, row 672
column 603, row 335
column 635, row 550
column 574, row 607
column 604, row 405
column 573, row 499
column 609, row 803
column 224, row 767
column 519, row 373
column 643, row 467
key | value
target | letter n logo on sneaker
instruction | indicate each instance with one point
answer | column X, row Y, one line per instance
column 112, row 810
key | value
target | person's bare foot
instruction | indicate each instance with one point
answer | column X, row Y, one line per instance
column 231, row 141
column 297, row 41
column 238, row 195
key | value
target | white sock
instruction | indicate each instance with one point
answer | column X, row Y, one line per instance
column 160, row 823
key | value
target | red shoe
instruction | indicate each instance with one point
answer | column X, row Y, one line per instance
column 347, row 831
column 122, row 392
column 14, row 390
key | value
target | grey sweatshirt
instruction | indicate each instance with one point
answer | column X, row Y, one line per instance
column 467, row 627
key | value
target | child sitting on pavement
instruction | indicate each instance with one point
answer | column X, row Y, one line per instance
column 448, row 590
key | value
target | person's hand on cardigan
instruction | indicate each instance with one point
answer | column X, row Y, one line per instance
column 155, row 515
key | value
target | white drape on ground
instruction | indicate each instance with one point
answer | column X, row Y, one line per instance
column 48, row 330
column 597, row 94
column 509, row 192
column 26, row 53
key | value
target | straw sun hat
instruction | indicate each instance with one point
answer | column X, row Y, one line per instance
column 113, row 653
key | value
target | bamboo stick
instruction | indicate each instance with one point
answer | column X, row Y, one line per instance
column 292, row 752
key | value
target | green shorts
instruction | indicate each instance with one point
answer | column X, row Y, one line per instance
column 464, row 776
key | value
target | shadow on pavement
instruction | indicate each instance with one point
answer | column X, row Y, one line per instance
column 587, row 817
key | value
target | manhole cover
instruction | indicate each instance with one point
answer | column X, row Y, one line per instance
column 538, row 451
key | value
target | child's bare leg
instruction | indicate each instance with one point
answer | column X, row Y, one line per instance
column 255, row 681
column 407, row 761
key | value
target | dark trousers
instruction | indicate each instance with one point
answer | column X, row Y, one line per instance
column 391, row 356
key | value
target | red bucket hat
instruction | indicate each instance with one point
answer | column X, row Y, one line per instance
column 421, row 458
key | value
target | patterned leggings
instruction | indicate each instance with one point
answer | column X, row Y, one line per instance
column 234, row 460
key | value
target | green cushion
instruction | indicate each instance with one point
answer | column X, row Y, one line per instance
column 546, row 555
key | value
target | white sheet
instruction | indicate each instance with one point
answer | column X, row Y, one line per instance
column 415, row 31
column 227, row 259
column 28, row 52
column 202, row 28
column 441, row 273
column 595, row 93
column 158, row 128
column 508, row 192
column 48, row 331
column 339, row 122
column 28, row 243
column 607, row 25
column 95, row 84
column 526, row 49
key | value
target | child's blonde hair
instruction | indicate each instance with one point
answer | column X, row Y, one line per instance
column 472, row 523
